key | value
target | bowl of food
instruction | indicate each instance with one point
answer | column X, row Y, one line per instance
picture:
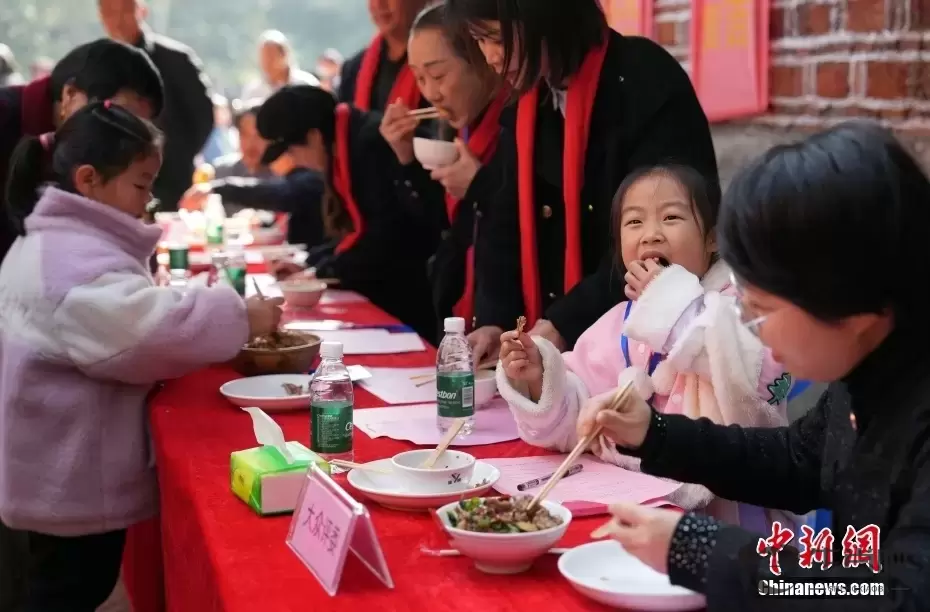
column 302, row 293
column 451, row 472
column 283, row 352
column 434, row 154
column 485, row 386
column 501, row 535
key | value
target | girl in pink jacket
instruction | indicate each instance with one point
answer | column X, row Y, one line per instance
column 679, row 339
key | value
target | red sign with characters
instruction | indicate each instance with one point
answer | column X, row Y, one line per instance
column 630, row 17
column 860, row 547
column 730, row 56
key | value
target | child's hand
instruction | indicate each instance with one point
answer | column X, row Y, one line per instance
column 521, row 358
column 639, row 274
column 626, row 426
column 264, row 315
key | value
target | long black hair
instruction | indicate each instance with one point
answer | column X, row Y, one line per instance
column 561, row 31
column 102, row 135
column 835, row 224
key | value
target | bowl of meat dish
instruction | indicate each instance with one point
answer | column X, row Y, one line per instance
column 302, row 293
column 502, row 535
column 283, row 352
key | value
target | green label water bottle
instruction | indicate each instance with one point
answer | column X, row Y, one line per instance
column 455, row 378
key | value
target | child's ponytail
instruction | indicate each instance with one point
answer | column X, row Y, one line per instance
column 25, row 177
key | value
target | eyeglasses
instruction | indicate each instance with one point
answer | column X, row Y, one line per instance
column 752, row 324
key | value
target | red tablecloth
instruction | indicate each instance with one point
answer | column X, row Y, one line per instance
column 218, row 555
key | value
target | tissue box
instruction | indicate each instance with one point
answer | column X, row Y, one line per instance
column 262, row 477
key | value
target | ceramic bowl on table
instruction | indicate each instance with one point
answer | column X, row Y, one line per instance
column 485, row 386
column 434, row 154
column 452, row 472
column 608, row 574
column 272, row 393
column 505, row 553
column 298, row 359
column 302, row 293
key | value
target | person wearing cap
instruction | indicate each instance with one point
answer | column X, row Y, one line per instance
column 379, row 74
column 187, row 120
column 367, row 240
column 279, row 67
column 99, row 70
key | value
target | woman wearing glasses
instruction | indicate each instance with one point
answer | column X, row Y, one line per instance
column 828, row 239
column 679, row 338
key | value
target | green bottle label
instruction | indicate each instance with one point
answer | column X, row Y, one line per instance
column 215, row 233
column 236, row 277
column 331, row 427
column 455, row 394
column 178, row 258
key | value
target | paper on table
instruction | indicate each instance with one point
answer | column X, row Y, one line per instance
column 417, row 424
column 598, row 482
column 266, row 282
column 396, row 386
column 373, row 341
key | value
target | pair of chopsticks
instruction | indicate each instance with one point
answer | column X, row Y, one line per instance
column 424, row 113
column 451, row 552
column 619, row 399
column 425, row 379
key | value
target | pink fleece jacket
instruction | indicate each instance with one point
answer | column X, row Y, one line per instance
column 84, row 335
column 712, row 366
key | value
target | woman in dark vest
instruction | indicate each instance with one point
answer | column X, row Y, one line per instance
column 592, row 105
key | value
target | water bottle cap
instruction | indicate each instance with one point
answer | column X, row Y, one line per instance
column 454, row 324
column 331, row 350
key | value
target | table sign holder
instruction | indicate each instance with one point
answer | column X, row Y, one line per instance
column 327, row 525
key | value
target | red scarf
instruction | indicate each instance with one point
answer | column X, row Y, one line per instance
column 582, row 91
column 405, row 86
column 482, row 142
column 342, row 177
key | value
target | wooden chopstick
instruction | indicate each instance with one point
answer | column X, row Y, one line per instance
column 424, row 113
column 619, row 398
column 425, row 379
column 358, row 466
column 444, row 443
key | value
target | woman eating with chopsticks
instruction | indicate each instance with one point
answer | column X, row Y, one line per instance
column 592, row 106
column 454, row 78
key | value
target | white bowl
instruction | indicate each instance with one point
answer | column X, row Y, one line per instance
column 267, row 392
column 302, row 293
column 485, row 386
column 451, row 472
column 434, row 154
column 607, row 573
column 505, row 553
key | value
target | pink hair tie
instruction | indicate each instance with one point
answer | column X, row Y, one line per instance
column 47, row 140
column 107, row 104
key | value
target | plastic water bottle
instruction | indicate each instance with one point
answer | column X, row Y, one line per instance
column 331, row 401
column 215, row 216
column 455, row 378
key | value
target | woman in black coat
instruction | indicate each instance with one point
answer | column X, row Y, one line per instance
column 592, row 106
column 827, row 239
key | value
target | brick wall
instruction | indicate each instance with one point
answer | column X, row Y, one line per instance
column 835, row 59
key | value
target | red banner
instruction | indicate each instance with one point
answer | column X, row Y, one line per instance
column 730, row 56
column 630, row 17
